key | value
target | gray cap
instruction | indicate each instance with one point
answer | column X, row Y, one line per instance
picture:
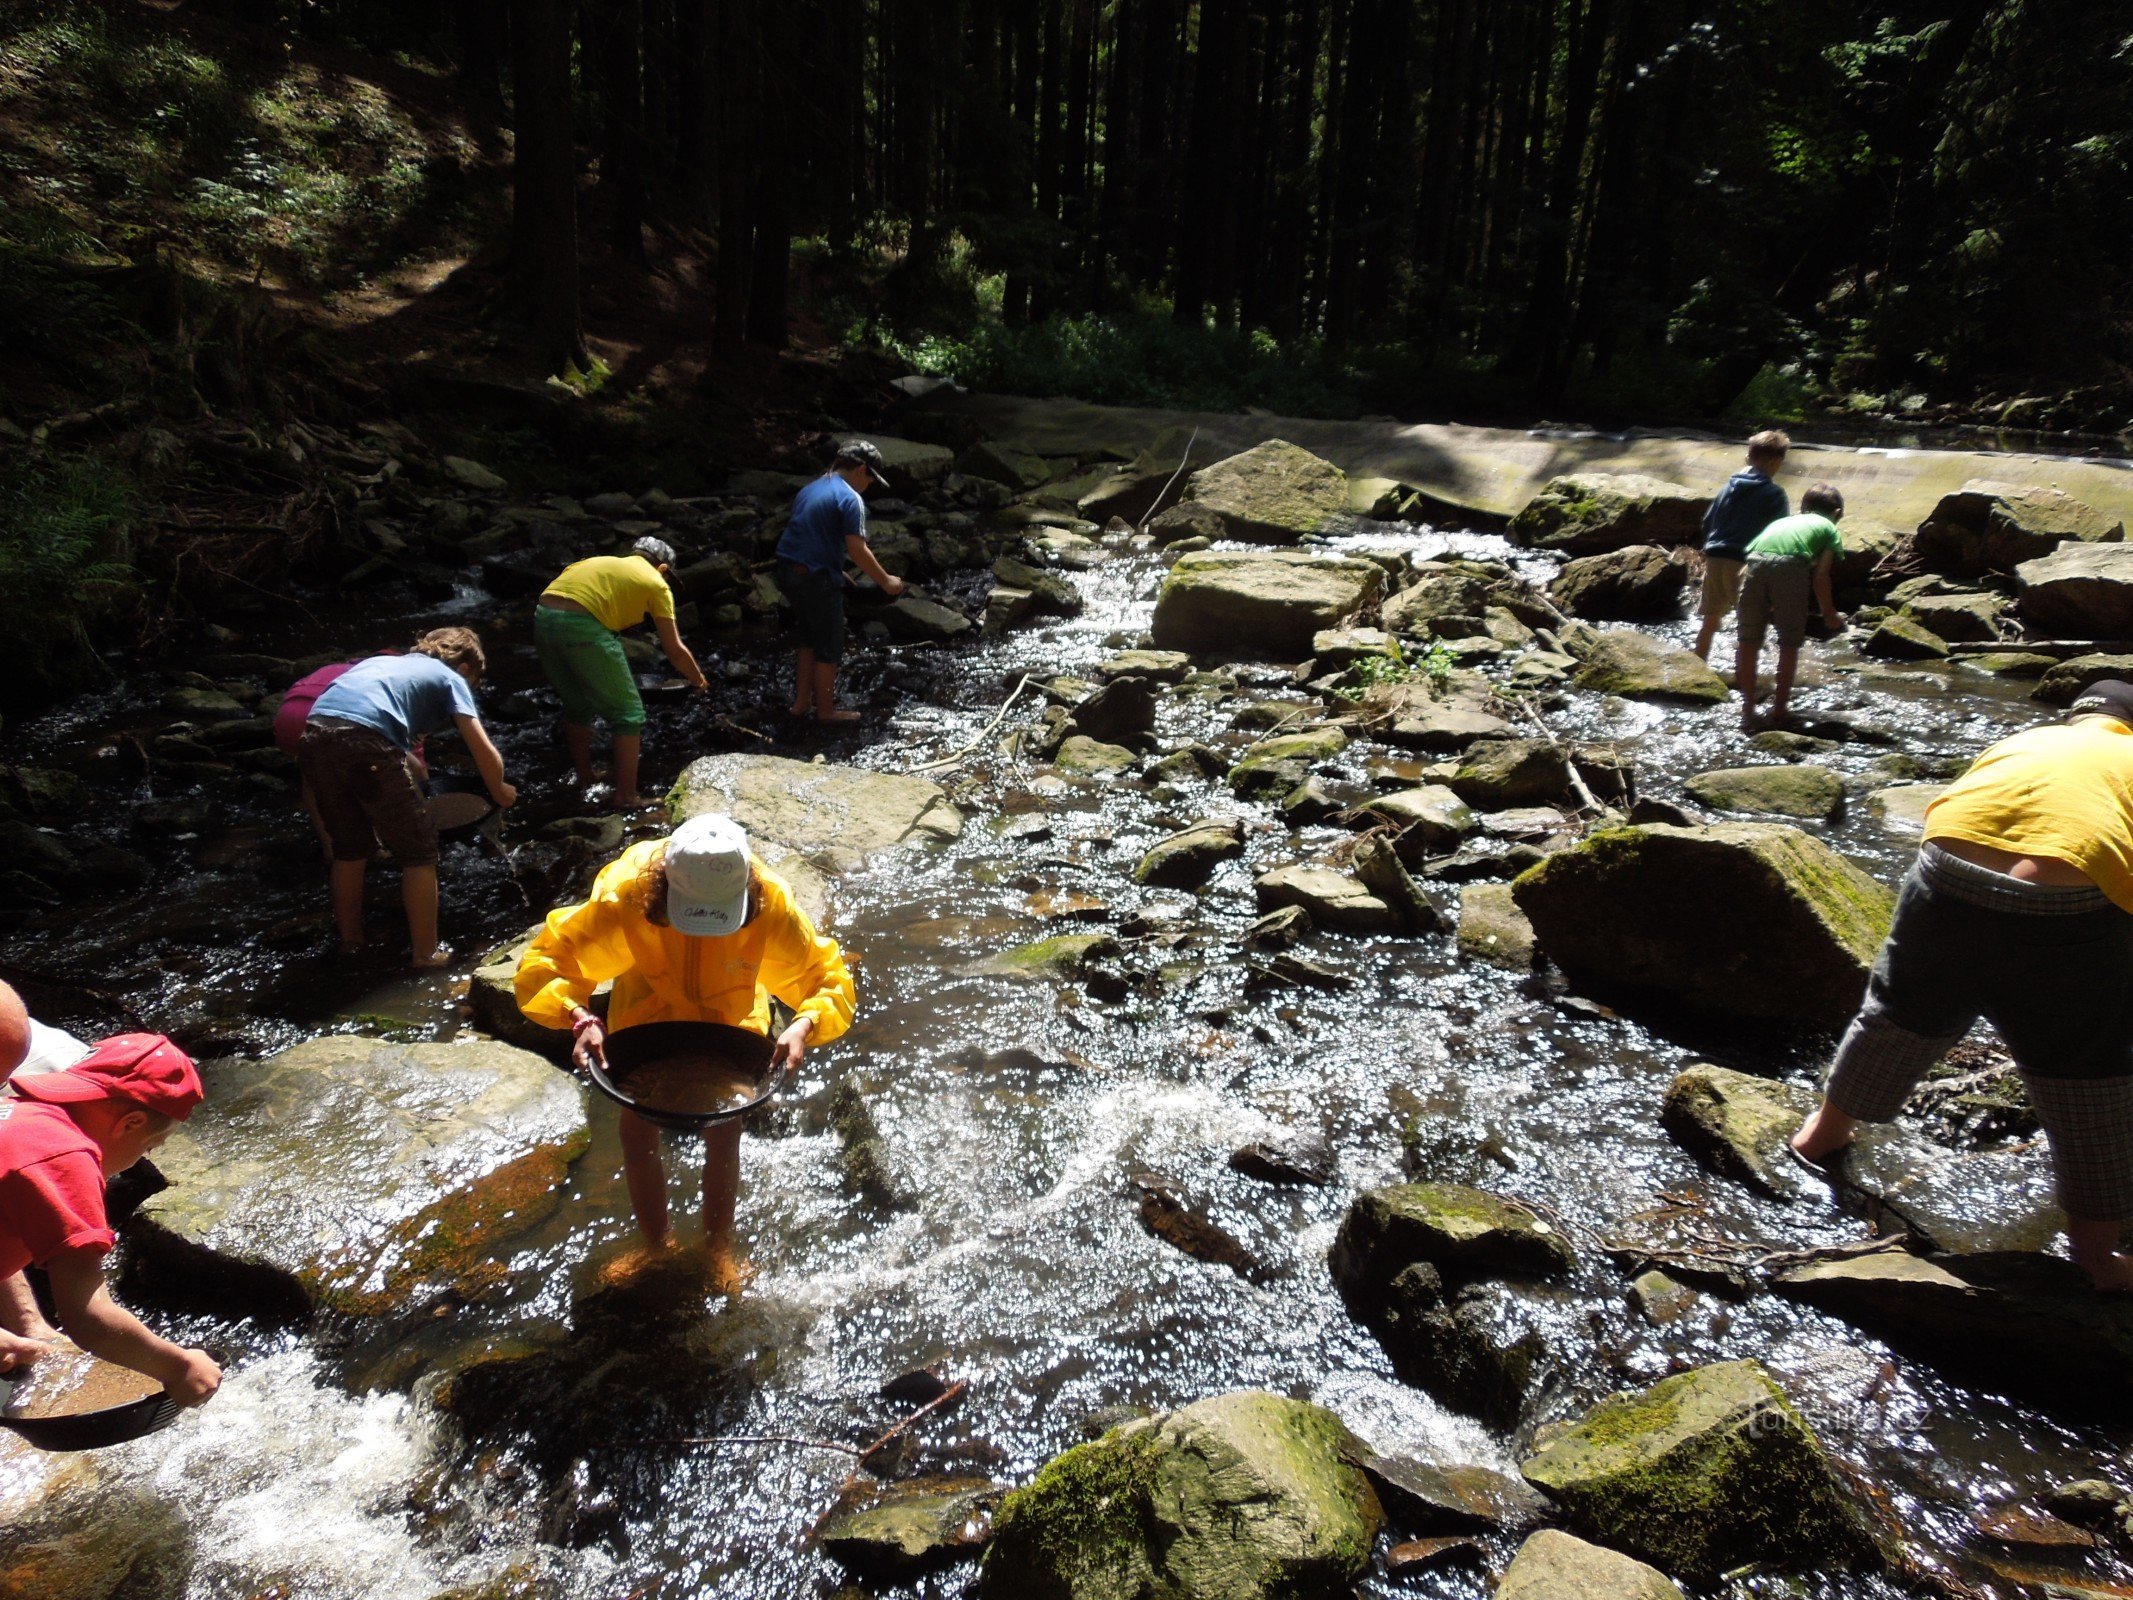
column 656, row 551
column 859, row 453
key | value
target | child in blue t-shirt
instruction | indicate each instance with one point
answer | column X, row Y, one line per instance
column 828, row 526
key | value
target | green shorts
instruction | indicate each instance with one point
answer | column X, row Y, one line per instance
column 585, row 662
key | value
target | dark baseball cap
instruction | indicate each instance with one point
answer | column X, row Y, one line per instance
column 2106, row 697
column 860, row 453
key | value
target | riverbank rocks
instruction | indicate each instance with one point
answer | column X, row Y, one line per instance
column 1738, row 1125
column 1745, row 919
column 910, row 462
column 1706, row 1471
column 1275, row 492
column 1499, row 774
column 2016, row 1322
column 1274, row 766
column 900, row 1533
column 1991, row 526
column 1553, row 1565
column 1244, row 1496
column 1187, row 859
column 2079, row 591
column 1638, row 583
column 839, row 817
column 356, row 1176
column 1590, row 512
column 1333, row 900
column 1810, row 793
column 1639, row 667
column 1414, row 1264
column 1234, row 605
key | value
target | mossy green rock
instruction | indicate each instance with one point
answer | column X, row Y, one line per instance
column 1703, row 1472
column 1902, row 639
column 1498, row 774
column 1089, row 757
column 1275, row 491
column 1187, row 859
column 2062, row 683
column 1589, row 512
column 911, row 1528
column 1066, row 955
column 1740, row 919
column 1464, row 1233
column 1640, row 667
column 351, row 1173
column 1265, row 604
column 1738, row 1125
column 1553, row 1565
column 1274, row 766
column 1492, row 930
column 1244, row 1496
column 1813, row 794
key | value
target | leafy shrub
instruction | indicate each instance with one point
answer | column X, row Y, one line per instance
column 63, row 567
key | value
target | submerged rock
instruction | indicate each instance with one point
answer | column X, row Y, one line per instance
column 1290, row 1155
column 1552, row 1565
column 1744, row 919
column 1066, row 955
column 1594, row 511
column 2015, row 1322
column 1273, row 491
column 837, row 816
column 1186, row 860
column 1245, row 1496
column 894, row 1535
column 1703, row 1472
column 1168, row 1215
column 1640, row 667
column 1334, row 901
column 1738, row 1124
column 1638, row 583
column 2079, row 591
column 1270, row 604
column 354, row 1175
column 1423, row 1498
column 1811, row 793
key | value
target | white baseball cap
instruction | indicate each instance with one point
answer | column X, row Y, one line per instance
column 707, row 875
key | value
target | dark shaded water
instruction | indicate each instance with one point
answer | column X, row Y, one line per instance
column 321, row 1470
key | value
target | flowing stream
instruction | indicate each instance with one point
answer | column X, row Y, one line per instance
column 324, row 1470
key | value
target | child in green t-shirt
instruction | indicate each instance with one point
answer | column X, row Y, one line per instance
column 1788, row 562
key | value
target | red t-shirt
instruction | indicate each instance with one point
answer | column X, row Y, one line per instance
column 51, row 1187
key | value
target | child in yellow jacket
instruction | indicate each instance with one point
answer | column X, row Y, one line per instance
column 690, row 928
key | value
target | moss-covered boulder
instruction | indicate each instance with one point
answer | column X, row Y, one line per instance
column 1703, row 1472
column 1275, row 491
column 1243, row 1496
column 2062, row 683
column 1270, row 604
column 1066, row 955
column 1810, row 793
column 899, row 1533
column 1334, row 900
column 1274, row 766
column 1993, row 526
column 1498, row 774
column 1083, row 756
column 2079, row 591
column 1639, row 667
column 1959, row 618
column 1464, row 1233
column 1187, row 859
column 1904, row 639
column 1553, row 1565
column 1741, row 919
column 355, row 1175
column 1738, row 1124
column 1638, row 583
column 1589, row 512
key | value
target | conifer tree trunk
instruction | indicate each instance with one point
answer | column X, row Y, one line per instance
column 544, row 171
column 737, row 70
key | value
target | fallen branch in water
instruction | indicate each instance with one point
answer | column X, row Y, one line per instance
column 951, row 760
column 1587, row 800
column 1184, row 461
column 734, row 1438
column 955, row 1391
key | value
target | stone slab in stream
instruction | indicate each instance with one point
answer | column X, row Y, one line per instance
column 1553, row 1565
column 1495, row 471
column 894, row 1535
column 1902, row 808
column 1234, row 605
column 1248, row 1496
column 354, row 1174
column 2015, row 1322
column 838, row 817
column 1704, row 1472
column 1743, row 919
column 1274, row 492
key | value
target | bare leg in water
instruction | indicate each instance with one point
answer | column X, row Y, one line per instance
column 722, row 1186
column 645, row 1171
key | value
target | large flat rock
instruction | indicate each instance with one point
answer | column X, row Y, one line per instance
column 837, row 817
column 1240, row 604
column 353, row 1174
column 2079, row 591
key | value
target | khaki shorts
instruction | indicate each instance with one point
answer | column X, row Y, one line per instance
column 1775, row 593
column 369, row 793
column 1721, row 586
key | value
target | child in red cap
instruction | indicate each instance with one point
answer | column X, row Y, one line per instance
column 61, row 1136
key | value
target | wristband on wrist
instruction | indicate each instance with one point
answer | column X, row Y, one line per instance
column 587, row 1021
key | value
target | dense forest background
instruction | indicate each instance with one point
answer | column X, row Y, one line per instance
column 646, row 241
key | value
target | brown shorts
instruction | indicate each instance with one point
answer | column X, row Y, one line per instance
column 369, row 792
column 1721, row 586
